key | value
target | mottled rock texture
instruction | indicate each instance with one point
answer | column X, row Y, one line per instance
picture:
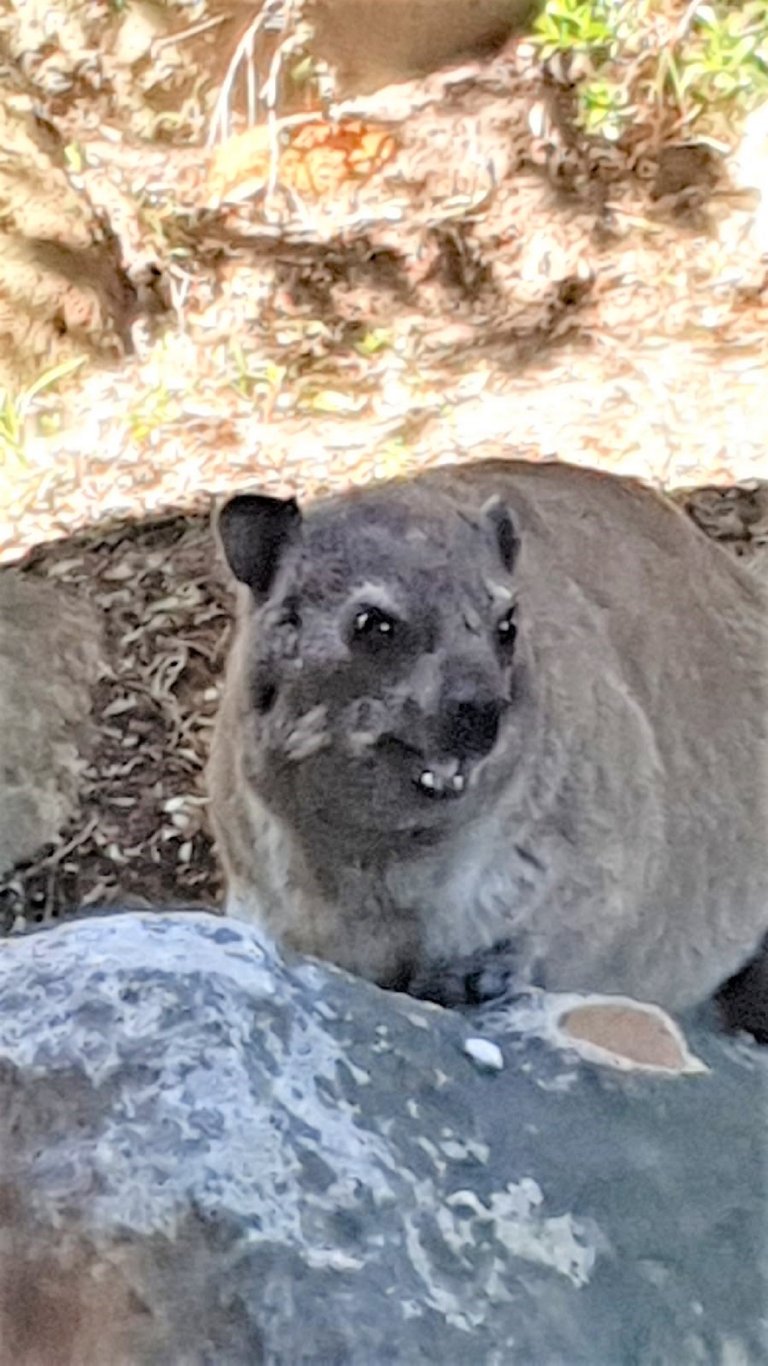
column 209, row 1155
column 49, row 663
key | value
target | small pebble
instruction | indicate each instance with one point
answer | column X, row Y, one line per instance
column 485, row 1053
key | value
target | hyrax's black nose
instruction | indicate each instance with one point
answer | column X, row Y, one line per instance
column 469, row 728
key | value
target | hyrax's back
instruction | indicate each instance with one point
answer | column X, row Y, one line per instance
column 650, row 665
column 619, row 834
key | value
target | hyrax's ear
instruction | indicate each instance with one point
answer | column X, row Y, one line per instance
column 499, row 518
column 255, row 531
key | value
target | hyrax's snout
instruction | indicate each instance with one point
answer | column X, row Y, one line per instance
column 469, row 726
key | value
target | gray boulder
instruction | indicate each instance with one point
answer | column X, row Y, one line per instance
column 50, row 654
column 211, row 1155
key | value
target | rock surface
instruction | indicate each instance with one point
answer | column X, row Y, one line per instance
column 49, row 662
column 369, row 43
column 210, row 1155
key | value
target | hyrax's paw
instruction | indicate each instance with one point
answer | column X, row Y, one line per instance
column 488, row 975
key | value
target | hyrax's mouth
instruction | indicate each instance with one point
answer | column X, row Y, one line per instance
column 442, row 780
column 434, row 779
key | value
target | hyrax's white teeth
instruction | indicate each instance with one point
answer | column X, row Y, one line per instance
column 428, row 779
column 457, row 782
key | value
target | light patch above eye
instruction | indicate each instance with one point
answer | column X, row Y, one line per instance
column 499, row 593
column 374, row 594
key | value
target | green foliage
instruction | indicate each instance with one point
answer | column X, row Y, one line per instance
column 596, row 28
column 17, row 409
column 575, row 26
column 605, row 108
column 254, row 377
column 726, row 56
column 374, row 341
column 158, row 408
column 704, row 60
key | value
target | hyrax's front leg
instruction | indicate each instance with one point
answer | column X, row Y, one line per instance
column 493, row 974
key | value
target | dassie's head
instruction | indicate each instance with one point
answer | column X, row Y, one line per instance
column 380, row 643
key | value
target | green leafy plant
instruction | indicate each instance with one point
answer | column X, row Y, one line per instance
column 17, row 409
column 698, row 62
column 599, row 38
column 373, row 341
column 577, row 26
column 726, row 56
column 254, row 377
column 605, row 108
column 158, row 408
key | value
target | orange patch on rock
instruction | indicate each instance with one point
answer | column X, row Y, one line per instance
column 638, row 1034
column 313, row 159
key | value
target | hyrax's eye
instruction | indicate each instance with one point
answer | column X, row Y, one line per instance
column 506, row 628
column 373, row 627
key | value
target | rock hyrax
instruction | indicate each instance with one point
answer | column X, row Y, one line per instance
column 496, row 704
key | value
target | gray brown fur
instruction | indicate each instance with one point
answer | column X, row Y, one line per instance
column 614, row 835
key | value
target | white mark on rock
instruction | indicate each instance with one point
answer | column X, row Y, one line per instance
column 516, row 1218
column 485, row 1053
